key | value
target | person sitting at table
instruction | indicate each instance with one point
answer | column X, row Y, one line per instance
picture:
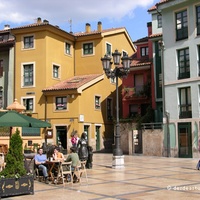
column 40, row 160
column 57, row 155
column 73, row 156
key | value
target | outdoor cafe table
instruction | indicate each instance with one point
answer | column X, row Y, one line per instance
column 54, row 165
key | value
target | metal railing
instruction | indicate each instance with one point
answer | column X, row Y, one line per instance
column 158, row 125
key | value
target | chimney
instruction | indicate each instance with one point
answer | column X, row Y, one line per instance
column 39, row 20
column 6, row 27
column 99, row 27
column 45, row 21
column 149, row 26
column 87, row 28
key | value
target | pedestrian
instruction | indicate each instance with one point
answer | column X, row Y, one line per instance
column 82, row 147
column 74, row 140
column 57, row 155
column 74, row 158
column 40, row 162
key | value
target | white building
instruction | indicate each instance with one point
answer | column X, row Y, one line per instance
column 179, row 52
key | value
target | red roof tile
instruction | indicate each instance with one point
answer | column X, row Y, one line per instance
column 156, row 35
column 155, row 6
column 140, row 62
column 144, row 39
column 96, row 31
column 32, row 25
column 73, row 83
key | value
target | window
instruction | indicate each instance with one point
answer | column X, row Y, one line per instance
column 28, row 103
column 86, row 131
column 185, row 103
column 138, row 83
column 109, row 109
column 28, row 74
column 198, row 19
column 97, row 102
column 68, row 48
column 61, row 103
column 113, row 80
column 144, row 51
column 159, row 20
column 184, row 63
column 88, row 48
column 55, row 71
column 28, row 42
column 108, row 49
column 133, row 110
column 181, row 25
column 1, row 68
column 124, row 53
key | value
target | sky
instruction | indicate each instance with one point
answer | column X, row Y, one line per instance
column 131, row 14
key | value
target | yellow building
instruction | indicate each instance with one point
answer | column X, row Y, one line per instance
column 59, row 78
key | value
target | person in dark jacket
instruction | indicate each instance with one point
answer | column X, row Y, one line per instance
column 82, row 147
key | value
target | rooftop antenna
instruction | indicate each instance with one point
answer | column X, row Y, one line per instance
column 70, row 24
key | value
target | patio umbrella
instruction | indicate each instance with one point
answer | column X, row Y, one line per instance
column 13, row 118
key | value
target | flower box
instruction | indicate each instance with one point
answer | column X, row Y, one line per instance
column 16, row 186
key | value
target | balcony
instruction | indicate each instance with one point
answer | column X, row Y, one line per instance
column 142, row 91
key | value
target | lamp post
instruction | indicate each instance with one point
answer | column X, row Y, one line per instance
column 165, row 112
column 117, row 72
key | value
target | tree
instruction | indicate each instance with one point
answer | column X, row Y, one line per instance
column 14, row 158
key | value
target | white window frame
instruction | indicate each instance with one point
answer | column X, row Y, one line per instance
column 22, row 44
column 97, row 106
column 70, row 49
column 124, row 52
column 113, row 80
column 67, row 104
column 28, row 97
column 83, row 49
column 107, row 43
column 22, row 75
column 59, row 71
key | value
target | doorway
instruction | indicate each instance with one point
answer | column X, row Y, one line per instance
column 61, row 136
column 97, row 136
column 86, row 130
column 184, row 140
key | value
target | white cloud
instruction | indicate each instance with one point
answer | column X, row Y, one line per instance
column 60, row 11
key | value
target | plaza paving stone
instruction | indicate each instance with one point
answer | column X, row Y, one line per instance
column 148, row 178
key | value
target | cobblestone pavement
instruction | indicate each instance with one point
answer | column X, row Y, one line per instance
column 148, row 178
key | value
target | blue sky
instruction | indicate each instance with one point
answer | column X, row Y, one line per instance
column 131, row 14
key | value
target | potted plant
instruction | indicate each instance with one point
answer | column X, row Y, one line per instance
column 14, row 179
column 27, row 149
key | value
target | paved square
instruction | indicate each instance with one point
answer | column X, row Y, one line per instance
column 147, row 178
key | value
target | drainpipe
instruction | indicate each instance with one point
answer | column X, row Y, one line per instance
column 45, row 117
column 74, row 56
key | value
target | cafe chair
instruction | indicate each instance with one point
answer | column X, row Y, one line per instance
column 66, row 172
column 80, row 172
column 38, row 174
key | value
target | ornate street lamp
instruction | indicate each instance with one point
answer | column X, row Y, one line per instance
column 120, row 71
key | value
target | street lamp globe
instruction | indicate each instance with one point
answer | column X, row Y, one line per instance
column 126, row 61
column 106, row 63
column 116, row 57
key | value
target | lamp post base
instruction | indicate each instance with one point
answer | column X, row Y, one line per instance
column 118, row 162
